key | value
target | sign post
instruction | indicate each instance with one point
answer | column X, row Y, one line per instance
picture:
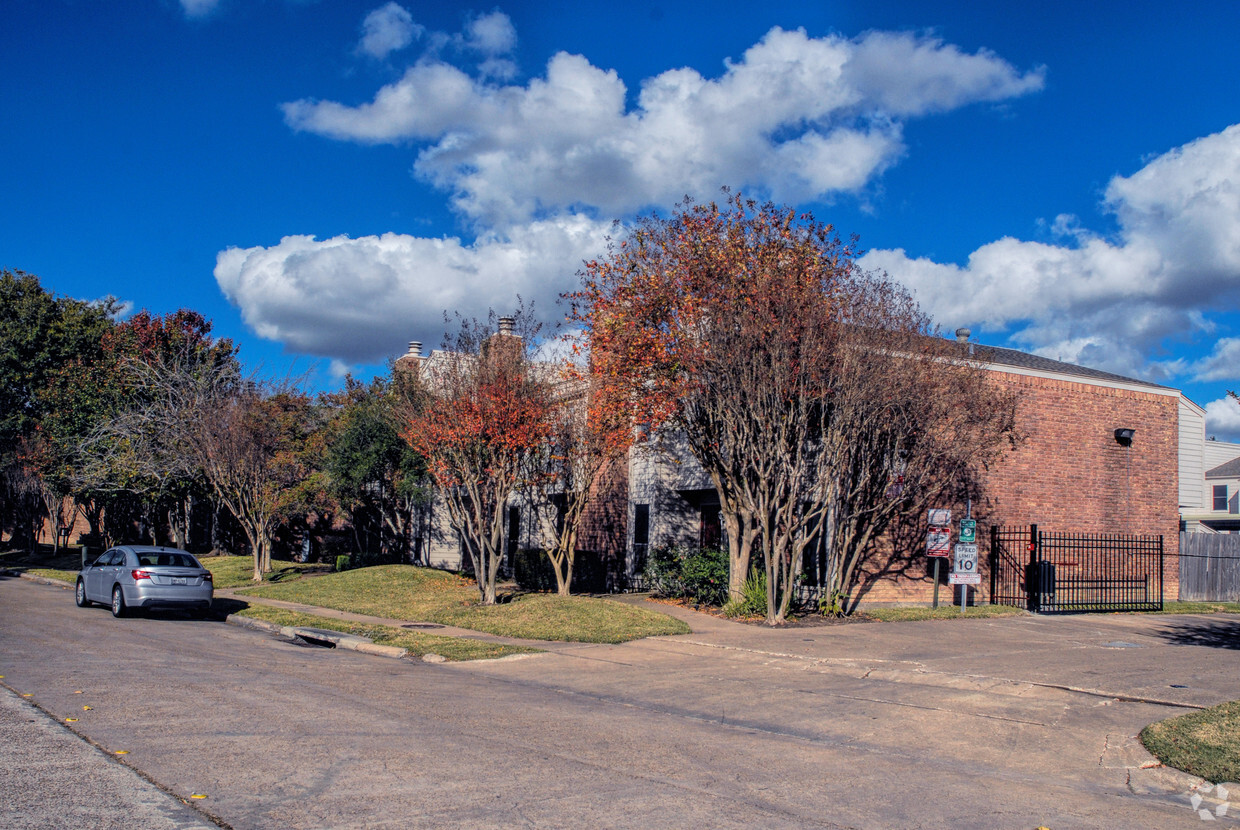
column 938, row 541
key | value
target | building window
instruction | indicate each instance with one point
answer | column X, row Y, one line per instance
column 641, row 536
column 514, row 531
column 1220, row 497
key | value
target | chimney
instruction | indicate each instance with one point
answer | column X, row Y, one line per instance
column 962, row 335
column 415, row 348
column 506, row 325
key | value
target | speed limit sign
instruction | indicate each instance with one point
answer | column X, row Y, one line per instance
column 964, row 566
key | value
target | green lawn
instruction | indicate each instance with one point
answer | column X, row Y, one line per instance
column 416, row 643
column 943, row 612
column 64, row 565
column 405, row 592
column 1200, row 608
column 238, row 571
column 1205, row 743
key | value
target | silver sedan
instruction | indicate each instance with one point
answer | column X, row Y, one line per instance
column 141, row 576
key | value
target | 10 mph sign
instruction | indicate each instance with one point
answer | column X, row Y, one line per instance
column 964, row 566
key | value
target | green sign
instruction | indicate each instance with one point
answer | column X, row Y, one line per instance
column 968, row 530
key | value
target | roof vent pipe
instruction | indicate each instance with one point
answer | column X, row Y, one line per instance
column 962, row 335
column 415, row 348
column 506, row 325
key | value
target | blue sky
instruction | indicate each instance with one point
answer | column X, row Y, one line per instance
column 324, row 179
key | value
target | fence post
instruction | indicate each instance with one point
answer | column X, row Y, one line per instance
column 994, row 562
column 1033, row 596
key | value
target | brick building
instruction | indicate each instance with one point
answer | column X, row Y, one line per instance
column 1070, row 473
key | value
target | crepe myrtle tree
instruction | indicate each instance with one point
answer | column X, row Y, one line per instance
column 478, row 411
column 588, row 437
column 798, row 381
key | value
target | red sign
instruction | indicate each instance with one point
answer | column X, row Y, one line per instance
column 939, row 541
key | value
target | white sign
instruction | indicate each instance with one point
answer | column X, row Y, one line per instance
column 964, row 566
column 939, row 517
column 966, row 558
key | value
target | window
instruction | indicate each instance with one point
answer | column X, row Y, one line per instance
column 1220, row 497
column 641, row 535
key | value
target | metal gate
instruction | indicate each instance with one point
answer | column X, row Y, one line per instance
column 1054, row 572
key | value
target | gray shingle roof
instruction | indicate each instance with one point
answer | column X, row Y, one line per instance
column 1022, row 360
column 1228, row 469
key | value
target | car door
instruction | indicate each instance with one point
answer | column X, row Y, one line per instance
column 102, row 574
column 91, row 575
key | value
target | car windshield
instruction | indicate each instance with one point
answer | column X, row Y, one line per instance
column 174, row 560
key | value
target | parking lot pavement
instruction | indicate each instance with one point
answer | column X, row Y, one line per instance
column 1014, row 723
column 53, row 778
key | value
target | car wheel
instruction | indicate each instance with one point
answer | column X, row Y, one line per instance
column 80, row 596
column 118, row 601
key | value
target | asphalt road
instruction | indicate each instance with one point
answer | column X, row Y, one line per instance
column 1014, row 723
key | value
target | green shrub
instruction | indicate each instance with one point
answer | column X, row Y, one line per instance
column 696, row 574
column 833, row 604
column 342, row 562
column 753, row 599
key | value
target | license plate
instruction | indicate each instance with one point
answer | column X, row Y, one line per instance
column 178, row 580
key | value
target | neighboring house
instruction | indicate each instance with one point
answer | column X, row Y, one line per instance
column 1209, row 476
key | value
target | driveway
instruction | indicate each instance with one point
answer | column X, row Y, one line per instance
column 1015, row 722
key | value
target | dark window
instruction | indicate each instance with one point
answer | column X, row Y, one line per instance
column 1220, row 497
column 712, row 529
column 514, row 528
column 641, row 524
column 641, row 536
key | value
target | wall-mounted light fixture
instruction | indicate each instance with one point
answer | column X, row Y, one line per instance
column 1123, row 436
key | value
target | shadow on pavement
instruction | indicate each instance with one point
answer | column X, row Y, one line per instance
column 1211, row 633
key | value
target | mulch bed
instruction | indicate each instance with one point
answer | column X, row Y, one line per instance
column 800, row 621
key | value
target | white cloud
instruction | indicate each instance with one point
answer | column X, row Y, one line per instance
column 1222, row 364
column 491, row 34
column 1107, row 302
column 361, row 300
column 199, row 8
column 1223, row 419
column 798, row 118
column 387, row 29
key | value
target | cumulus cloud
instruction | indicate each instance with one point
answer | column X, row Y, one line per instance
column 1223, row 419
column 361, row 300
column 491, row 34
column 1108, row 302
column 387, row 29
column 798, row 118
column 1221, row 364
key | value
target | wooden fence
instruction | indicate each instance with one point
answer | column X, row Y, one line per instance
column 1210, row 567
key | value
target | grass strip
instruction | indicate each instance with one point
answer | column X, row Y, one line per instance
column 416, row 643
column 1205, row 743
column 405, row 592
column 1199, row 608
column 943, row 612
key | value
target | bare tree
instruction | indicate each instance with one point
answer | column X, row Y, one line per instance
column 587, row 436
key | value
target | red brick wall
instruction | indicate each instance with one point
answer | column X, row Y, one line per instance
column 1070, row 474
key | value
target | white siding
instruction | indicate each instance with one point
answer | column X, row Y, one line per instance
column 1192, row 454
column 1219, row 452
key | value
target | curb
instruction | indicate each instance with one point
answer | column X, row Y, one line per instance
column 337, row 639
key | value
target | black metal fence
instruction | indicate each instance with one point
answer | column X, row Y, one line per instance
column 1056, row 572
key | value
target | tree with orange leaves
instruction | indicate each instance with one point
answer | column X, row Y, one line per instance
column 479, row 411
column 801, row 384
